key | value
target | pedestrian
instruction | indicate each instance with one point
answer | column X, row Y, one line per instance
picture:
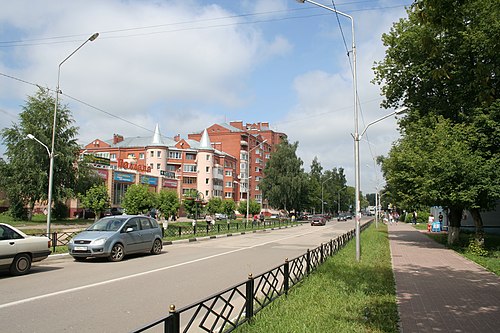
column 414, row 218
column 255, row 218
column 261, row 217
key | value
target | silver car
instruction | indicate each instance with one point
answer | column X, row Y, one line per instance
column 116, row 236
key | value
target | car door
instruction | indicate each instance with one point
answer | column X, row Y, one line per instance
column 8, row 246
column 146, row 234
column 132, row 239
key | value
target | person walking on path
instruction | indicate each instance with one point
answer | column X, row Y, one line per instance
column 438, row 290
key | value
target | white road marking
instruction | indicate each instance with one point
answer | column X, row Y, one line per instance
column 67, row 291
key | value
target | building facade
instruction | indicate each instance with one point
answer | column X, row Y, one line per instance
column 224, row 161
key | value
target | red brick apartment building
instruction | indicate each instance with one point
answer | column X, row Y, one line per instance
column 218, row 162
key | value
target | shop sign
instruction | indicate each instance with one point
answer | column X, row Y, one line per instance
column 90, row 158
column 102, row 173
column 124, row 177
column 149, row 180
column 126, row 165
column 169, row 183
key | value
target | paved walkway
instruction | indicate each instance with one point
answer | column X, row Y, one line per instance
column 438, row 290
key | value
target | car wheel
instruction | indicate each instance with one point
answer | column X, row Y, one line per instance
column 157, row 246
column 21, row 264
column 117, row 253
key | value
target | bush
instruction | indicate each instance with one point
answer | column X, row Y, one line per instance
column 60, row 210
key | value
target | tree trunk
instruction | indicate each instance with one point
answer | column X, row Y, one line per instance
column 454, row 218
column 478, row 223
column 30, row 210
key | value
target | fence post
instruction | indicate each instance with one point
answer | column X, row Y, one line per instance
column 321, row 251
column 54, row 241
column 286, row 273
column 172, row 321
column 180, row 231
column 249, row 296
column 208, row 229
column 308, row 262
column 331, row 247
column 218, row 228
column 194, row 230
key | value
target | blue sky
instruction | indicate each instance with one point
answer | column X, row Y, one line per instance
column 186, row 64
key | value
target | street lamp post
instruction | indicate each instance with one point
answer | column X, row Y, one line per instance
column 51, row 153
column 248, row 176
column 355, row 135
column 322, row 201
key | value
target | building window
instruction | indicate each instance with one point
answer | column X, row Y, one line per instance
column 141, row 156
column 189, row 180
column 151, row 165
column 158, row 153
column 113, row 157
column 207, row 169
column 177, row 155
column 229, row 184
column 207, row 180
column 229, row 173
column 158, row 166
column 208, row 157
column 228, row 194
column 131, row 155
column 119, row 190
column 206, row 194
column 189, row 167
column 152, row 153
column 190, row 157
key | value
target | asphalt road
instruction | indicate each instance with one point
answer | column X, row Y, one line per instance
column 61, row 295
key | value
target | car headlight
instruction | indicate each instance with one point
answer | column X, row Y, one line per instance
column 71, row 241
column 99, row 241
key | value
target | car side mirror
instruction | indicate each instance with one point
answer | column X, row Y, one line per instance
column 129, row 229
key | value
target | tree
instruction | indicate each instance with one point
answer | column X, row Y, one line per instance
column 139, row 199
column 253, row 207
column 24, row 176
column 96, row 199
column 442, row 63
column 214, row 205
column 228, row 208
column 168, row 203
column 285, row 184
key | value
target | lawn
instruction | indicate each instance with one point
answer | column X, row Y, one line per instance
column 342, row 295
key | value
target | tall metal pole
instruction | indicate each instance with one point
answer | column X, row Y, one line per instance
column 356, row 134
column 248, row 175
column 51, row 155
column 322, row 201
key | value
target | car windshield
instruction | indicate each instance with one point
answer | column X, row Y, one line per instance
column 107, row 225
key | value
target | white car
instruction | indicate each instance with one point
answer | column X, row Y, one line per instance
column 18, row 250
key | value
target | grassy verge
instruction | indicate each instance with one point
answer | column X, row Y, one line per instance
column 489, row 260
column 342, row 295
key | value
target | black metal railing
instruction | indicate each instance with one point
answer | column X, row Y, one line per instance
column 228, row 309
column 203, row 229
column 58, row 238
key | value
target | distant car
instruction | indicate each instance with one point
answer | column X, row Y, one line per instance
column 220, row 216
column 114, row 237
column 85, row 214
column 342, row 217
column 317, row 220
column 18, row 250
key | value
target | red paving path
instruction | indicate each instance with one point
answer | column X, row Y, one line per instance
column 438, row 290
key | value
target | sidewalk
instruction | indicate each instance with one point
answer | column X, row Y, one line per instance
column 438, row 290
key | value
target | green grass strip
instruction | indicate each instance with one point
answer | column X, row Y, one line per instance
column 342, row 295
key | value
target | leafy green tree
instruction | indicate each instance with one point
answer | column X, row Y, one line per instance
column 228, row 207
column 96, row 199
column 139, row 199
column 24, row 176
column 285, row 185
column 168, row 203
column 442, row 63
column 253, row 207
column 192, row 203
column 214, row 205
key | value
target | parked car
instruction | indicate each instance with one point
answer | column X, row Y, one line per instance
column 85, row 214
column 114, row 237
column 18, row 250
column 113, row 211
column 220, row 216
column 318, row 220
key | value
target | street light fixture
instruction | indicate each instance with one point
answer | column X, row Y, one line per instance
column 51, row 153
column 322, row 201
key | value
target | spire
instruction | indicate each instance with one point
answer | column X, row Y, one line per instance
column 157, row 135
column 205, row 140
